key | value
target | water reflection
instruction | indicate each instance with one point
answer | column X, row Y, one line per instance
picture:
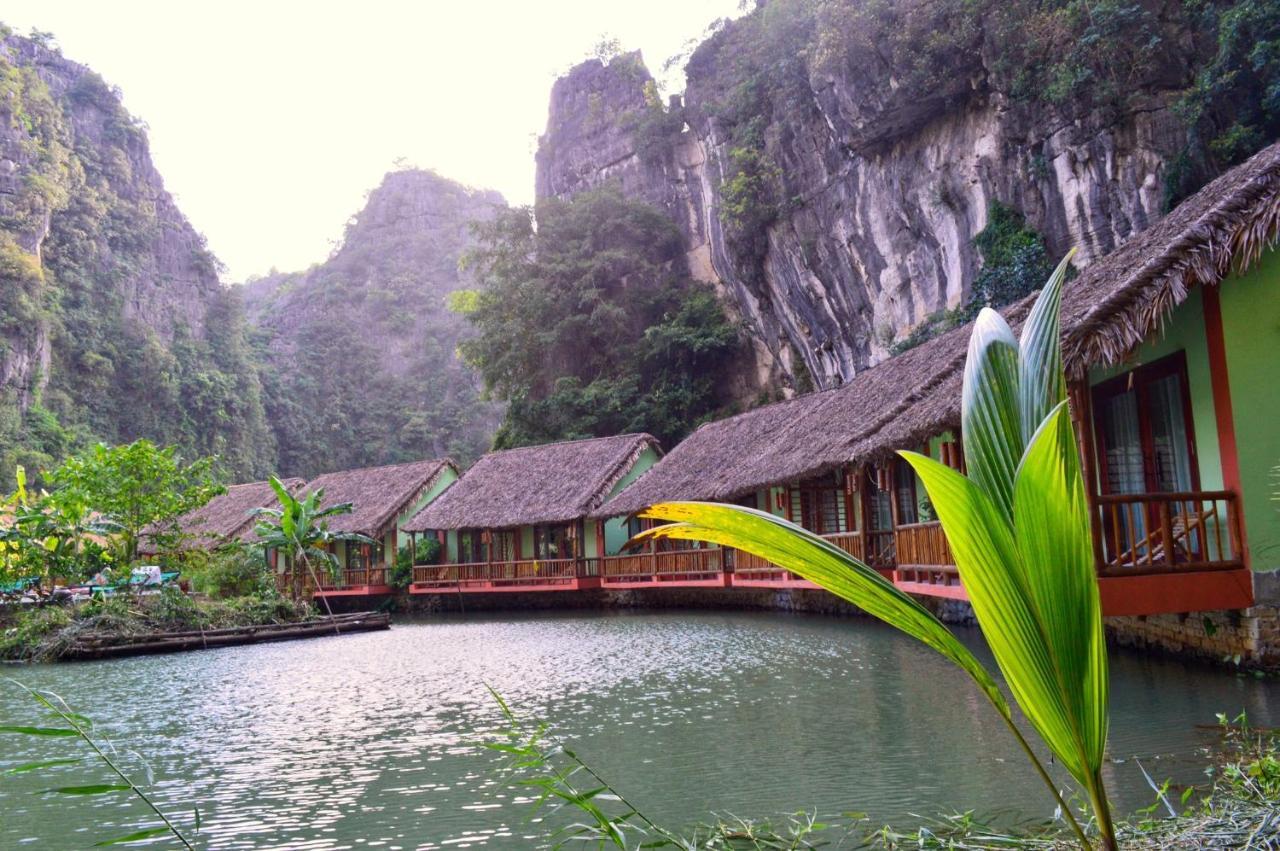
column 368, row 740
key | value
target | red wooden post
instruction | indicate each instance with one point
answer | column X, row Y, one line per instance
column 1082, row 412
column 1223, row 412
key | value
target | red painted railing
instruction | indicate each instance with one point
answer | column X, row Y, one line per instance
column 531, row 572
column 1167, row 532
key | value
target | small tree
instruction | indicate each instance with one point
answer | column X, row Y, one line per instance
column 139, row 486
column 299, row 531
column 44, row 537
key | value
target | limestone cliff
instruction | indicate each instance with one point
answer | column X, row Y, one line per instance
column 113, row 324
column 360, row 349
column 831, row 183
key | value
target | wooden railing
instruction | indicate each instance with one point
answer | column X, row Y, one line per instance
column 353, row 578
column 922, row 554
column 662, row 566
column 1167, row 532
column 850, row 542
column 756, row 569
column 531, row 572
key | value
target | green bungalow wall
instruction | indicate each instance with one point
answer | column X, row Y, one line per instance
column 1251, row 332
column 615, row 528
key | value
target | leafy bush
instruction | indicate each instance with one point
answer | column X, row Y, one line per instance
column 230, row 572
column 175, row 610
column 30, row 628
column 400, row 576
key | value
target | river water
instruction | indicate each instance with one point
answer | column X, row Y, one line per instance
column 370, row 740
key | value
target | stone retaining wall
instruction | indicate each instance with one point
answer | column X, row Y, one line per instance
column 1248, row 637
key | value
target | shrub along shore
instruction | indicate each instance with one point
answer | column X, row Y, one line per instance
column 52, row 632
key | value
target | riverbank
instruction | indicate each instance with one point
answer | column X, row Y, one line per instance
column 168, row 621
column 1237, row 808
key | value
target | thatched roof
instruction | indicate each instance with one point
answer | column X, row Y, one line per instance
column 377, row 494
column 1124, row 297
column 553, row 483
column 1117, row 302
column 225, row 518
column 795, row 439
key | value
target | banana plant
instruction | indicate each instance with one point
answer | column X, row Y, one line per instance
column 299, row 530
column 1018, row 527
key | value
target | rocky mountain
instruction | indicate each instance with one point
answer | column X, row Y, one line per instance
column 113, row 323
column 832, row 162
column 359, row 351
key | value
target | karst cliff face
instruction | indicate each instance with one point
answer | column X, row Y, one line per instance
column 113, row 323
column 360, row 350
column 834, row 208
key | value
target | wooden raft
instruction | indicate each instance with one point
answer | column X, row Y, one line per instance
column 109, row 646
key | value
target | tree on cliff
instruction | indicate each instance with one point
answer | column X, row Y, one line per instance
column 589, row 326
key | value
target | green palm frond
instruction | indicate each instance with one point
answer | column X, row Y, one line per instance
column 1018, row 528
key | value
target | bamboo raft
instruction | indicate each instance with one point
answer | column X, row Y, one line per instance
column 100, row 646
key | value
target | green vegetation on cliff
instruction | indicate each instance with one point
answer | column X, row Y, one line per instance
column 359, row 351
column 112, row 322
column 589, row 325
column 1216, row 62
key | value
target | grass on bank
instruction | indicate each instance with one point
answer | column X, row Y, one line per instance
column 231, row 588
column 47, row 633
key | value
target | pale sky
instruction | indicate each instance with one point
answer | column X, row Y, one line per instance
column 271, row 120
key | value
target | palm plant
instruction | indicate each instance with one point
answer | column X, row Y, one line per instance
column 1018, row 526
column 299, row 531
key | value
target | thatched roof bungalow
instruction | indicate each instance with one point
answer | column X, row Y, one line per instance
column 225, row 519
column 531, row 503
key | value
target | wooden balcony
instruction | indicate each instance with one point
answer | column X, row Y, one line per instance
column 1170, row 552
column 563, row 574
column 689, row 568
column 353, row 582
column 1167, row 533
